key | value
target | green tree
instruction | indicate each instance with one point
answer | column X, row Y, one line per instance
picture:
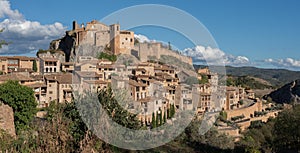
column 2, row 42
column 117, row 112
column 34, row 66
column 165, row 117
column 286, row 130
column 153, row 123
column 172, row 110
column 22, row 101
column 107, row 56
column 204, row 79
column 168, row 113
column 157, row 120
column 160, row 118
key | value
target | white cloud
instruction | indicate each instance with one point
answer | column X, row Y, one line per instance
column 5, row 11
column 23, row 34
column 142, row 38
column 214, row 56
column 284, row 63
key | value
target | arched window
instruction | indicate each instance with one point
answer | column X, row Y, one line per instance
column 46, row 69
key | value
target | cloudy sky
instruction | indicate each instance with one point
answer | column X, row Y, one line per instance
column 249, row 33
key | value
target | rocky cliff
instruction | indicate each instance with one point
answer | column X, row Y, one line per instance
column 289, row 93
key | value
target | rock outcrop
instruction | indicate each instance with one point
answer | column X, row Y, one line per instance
column 7, row 119
column 289, row 93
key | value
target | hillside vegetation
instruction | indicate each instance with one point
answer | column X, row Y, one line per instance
column 247, row 82
column 276, row 77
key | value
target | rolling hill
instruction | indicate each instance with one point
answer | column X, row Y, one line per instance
column 276, row 77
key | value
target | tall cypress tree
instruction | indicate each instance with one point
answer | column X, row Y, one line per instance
column 160, row 118
column 34, row 66
column 153, row 123
column 168, row 113
column 165, row 117
column 157, row 124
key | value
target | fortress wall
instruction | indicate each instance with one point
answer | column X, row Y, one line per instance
column 246, row 111
column 102, row 38
column 156, row 49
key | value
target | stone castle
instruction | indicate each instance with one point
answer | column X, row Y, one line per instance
column 110, row 38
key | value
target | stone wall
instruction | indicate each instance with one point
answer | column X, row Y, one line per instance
column 246, row 111
column 157, row 49
column 7, row 119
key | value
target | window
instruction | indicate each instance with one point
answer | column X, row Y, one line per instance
column 126, row 38
column 50, row 92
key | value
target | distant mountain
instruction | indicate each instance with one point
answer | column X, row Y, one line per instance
column 289, row 93
column 276, row 77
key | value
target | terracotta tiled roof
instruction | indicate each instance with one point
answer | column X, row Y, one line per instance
column 35, row 85
column 15, row 76
column 60, row 78
column 143, row 100
column 68, row 63
column 140, row 69
column 136, row 84
column 163, row 67
column 95, row 81
column 37, row 77
column 83, row 74
column 106, row 66
column 230, row 88
column 50, row 59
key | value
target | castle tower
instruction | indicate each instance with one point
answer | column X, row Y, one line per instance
column 114, row 38
column 75, row 25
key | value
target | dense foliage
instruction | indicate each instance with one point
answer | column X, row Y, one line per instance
column 107, row 56
column 22, row 101
column 63, row 130
column 246, row 82
column 276, row 77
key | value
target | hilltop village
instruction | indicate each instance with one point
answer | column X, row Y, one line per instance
column 153, row 85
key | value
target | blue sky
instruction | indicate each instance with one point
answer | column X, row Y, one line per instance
column 265, row 32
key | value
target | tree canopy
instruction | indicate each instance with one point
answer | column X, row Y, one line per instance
column 22, row 101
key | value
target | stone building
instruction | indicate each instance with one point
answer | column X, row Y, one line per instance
column 50, row 64
column 59, row 87
column 98, row 34
column 10, row 64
